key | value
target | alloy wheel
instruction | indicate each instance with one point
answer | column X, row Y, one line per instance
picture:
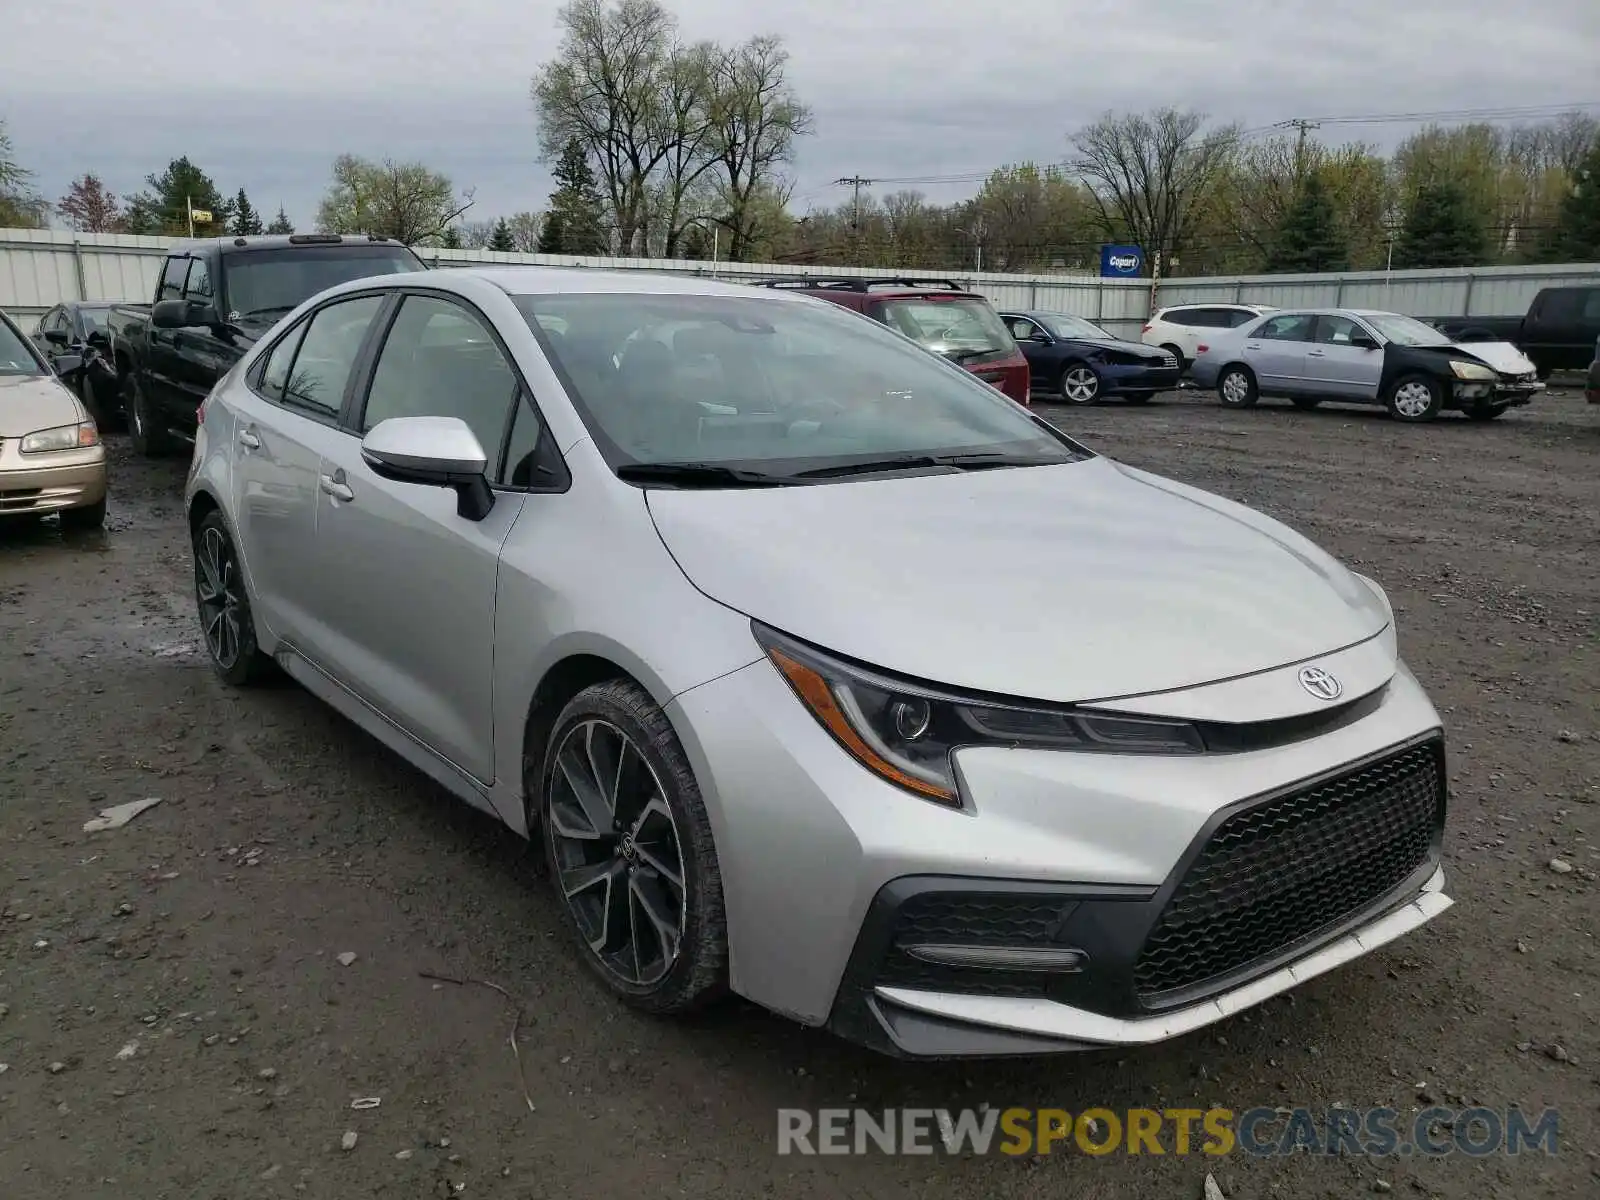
column 1235, row 388
column 1080, row 385
column 617, row 856
column 1413, row 399
column 220, row 595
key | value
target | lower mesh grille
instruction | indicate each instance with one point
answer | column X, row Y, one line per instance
column 1282, row 871
column 971, row 919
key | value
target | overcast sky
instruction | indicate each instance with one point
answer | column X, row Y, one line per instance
column 264, row 95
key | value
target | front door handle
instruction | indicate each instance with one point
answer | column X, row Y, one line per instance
column 249, row 440
column 1252, row 345
column 333, row 487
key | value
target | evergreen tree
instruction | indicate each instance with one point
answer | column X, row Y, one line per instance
column 164, row 206
column 551, row 234
column 281, row 223
column 1576, row 234
column 450, row 239
column 576, row 222
column 501, row 238
column 1440, row 229
column 246, row 221
column 1308, row 238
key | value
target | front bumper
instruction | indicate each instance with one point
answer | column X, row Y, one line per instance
column 1505, row 393
column 818, row 857
column 1156, row 377
column 46, row 483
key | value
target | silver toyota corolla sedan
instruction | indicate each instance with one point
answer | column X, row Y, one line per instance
column 822, row 671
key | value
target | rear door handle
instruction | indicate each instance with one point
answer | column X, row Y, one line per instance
column 249, row 440
column 1316, row 354
column 1252, row 345
column 332, row 487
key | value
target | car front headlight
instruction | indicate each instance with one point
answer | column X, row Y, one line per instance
column 1476, row 372
column 62, row 437
column 907, row 732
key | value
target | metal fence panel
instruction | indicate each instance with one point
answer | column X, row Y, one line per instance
column 41, row 268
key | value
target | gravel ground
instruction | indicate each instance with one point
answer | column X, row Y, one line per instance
column 176, row 1020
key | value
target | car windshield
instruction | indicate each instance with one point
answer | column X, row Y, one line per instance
column 771, row 386
column 1064, row 325
column 269, row 283
column 1405, row 331
column 965, row 329
column 16, row 358
column 94, row 319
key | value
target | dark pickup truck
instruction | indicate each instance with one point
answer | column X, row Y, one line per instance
column 214, row 299
column 1557, row 333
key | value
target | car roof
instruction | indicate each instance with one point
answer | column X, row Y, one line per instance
column 1216, row 304
column 539, row 280
column 280, row 241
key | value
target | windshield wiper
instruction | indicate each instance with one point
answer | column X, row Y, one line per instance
column 692, row 474
column 964, row 355
column 267, row 312
column 913, row 462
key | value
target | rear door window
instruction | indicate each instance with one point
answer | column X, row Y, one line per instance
column 326, row 354
column 1292, row 327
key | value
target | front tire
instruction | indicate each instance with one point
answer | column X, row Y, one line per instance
column 1237, row 388
column 223, row 603
column 629, row 850
column 1415, row 398
column 1079, row 384
column 89, row 517
column 148, row 439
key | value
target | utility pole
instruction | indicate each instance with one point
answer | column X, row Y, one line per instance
column 1304, row 127
column 856, row 182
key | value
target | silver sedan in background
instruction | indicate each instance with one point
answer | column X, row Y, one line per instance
column 1364, row 356
column 728, row 598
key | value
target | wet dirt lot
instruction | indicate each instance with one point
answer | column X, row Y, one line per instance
column 175, row 1019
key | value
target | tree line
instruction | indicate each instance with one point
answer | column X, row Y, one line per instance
column 665, row 148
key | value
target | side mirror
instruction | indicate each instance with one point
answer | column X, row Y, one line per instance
column 434, row 452
column 98, row 340
column 1362, row 342
column 56, row 337
column 170, row 314
column 67, row 364
column 1044, row 339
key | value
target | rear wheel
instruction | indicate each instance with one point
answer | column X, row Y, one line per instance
column 1415, row 398
column 1236, row 387
column 144, row 430
column 1079, row 384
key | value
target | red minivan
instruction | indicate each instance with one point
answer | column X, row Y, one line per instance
column 941, row 314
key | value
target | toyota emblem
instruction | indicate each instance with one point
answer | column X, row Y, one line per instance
column 1320, row 684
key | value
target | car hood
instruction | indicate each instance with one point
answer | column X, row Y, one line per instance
column 29, row 403
column 1085, row 581
column 1502, row 356
column 1137, row 349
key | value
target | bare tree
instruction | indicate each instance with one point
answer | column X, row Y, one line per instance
column 91, row 206
column 1149, row 173
column 604, row 89
column 756, row 118
column 405, row 201
column 688, row 88
column 525, row 227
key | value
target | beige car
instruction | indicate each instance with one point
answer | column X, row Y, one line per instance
column 51, row 458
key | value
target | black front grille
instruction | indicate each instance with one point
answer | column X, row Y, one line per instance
column 1280, row 872
column 971, row 919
